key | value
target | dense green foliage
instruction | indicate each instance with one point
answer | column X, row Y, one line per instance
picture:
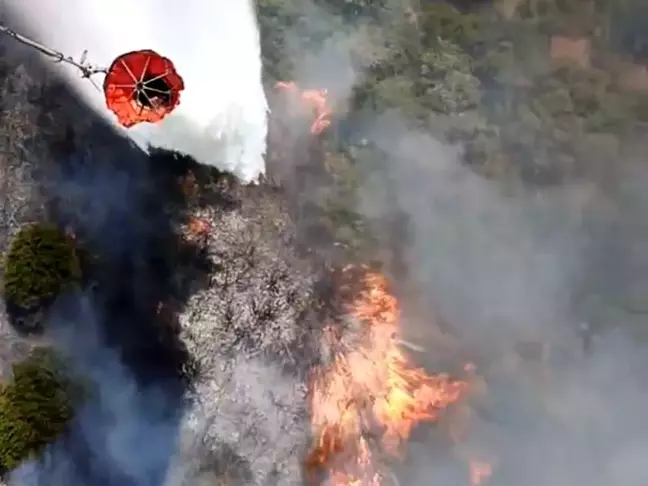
column 40, row 264
column 35, row 408
column 488, row 79
column 537, row 92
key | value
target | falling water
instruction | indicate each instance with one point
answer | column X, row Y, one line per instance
column 214, row 44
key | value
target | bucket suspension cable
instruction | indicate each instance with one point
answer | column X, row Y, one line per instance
column 139, row 86
column 87, row 69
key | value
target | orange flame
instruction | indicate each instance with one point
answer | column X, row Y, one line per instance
column 369, row 397
column 198, row 227
column 479, row 472
column 316, row 99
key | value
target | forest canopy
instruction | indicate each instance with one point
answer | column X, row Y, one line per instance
column 36, row 406
column 40, row 264
column 540, row 90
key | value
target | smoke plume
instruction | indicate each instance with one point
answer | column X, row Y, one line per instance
column 512, row 274
column 124, row 433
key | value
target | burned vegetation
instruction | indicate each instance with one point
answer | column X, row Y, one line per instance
column 193, row 281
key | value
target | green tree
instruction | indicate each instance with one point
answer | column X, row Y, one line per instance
column 41, row 263
column 36, row 406
column 447, row 80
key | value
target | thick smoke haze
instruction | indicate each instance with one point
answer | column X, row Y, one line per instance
column 512, row 277
column 214, row 45
column 125, row 433
column 504, row 270
column 491, row 260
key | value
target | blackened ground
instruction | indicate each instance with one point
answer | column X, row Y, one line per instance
column 123, row 207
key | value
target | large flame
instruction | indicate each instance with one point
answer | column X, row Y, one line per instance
column 315, row 99
column 368, row 398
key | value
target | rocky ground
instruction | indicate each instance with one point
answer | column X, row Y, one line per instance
column 253, row 324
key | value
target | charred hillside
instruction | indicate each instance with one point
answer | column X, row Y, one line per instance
column 128, row 214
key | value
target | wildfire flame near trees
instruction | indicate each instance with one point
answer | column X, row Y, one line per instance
column 368, row 397
column 198, row 227
column 479, row 472
column 316, row 99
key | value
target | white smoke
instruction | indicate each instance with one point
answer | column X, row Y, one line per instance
column 214, row 44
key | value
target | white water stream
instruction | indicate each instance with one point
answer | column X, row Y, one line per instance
column 222, row 117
